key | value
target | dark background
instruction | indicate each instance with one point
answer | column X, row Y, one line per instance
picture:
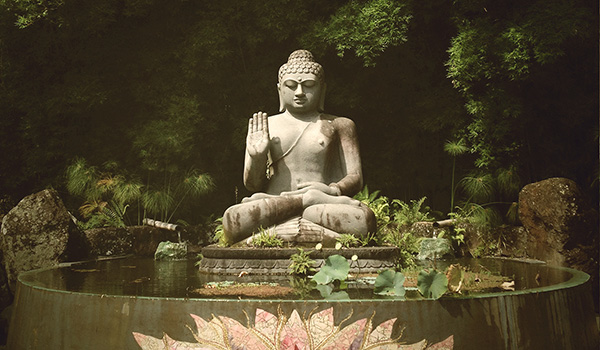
column 161, row 87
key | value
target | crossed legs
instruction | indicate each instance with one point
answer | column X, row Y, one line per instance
column 334, row 214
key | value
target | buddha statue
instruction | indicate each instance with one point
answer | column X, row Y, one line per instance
column 303, row 164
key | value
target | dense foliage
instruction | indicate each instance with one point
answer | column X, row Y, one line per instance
column 158, row 89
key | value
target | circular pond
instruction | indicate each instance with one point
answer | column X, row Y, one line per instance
column 142, row 304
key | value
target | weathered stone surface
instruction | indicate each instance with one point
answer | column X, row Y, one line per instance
column 147, row 238
column 502, row 241
column 561, row 224
column 170, row 251
column 435, row 248
column 141, row 240
column 276, row 261
column 426, row 229
column 39, row 232
column 110, row 241
column 303, row 193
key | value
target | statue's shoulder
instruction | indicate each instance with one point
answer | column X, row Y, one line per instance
column 339, row 122
column 275, row 116
column 275, row 120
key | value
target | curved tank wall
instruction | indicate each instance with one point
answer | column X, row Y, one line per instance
column 116, row 311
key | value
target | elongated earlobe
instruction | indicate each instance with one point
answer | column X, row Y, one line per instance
column 281, row 108
column 322, row 98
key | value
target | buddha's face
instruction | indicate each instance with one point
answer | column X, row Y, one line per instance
column 300, row 93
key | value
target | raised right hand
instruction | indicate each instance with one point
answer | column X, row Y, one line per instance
column 257, row 141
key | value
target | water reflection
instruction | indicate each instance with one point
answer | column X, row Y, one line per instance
column 177, row 279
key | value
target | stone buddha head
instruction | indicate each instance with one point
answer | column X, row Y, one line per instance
column 301, row 84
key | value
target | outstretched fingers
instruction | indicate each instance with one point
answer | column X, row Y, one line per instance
column 258, row 123
column 265, row 124
column 251, row 125
column 255, row 124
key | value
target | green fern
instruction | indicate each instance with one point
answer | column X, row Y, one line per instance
column 301, row 263
column 219, row 234
column 349, row 241
column 408, row 244
column 407, row 214
column 266, row 239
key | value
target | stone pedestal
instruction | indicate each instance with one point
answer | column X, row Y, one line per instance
column 276, row 261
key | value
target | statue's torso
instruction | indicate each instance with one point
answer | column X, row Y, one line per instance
column 310, row 152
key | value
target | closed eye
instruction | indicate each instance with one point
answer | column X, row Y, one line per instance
column 291, row 84
column 308, row 83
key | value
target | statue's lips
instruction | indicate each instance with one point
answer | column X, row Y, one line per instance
column 300, row 101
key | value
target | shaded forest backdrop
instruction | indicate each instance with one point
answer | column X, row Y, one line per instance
column 150, row 91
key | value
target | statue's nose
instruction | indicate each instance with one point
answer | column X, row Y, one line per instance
column 299, row 90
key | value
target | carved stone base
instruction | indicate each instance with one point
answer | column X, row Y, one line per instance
column 276, row 261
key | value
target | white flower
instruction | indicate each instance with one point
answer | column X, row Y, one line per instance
column 338, row 246
column 354, row 257
column 319, row 246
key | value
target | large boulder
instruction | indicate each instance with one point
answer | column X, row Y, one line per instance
column 562, row 225
column 109, row 241
column 39, row 232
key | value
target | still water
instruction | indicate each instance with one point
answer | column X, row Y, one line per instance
column 178, row 279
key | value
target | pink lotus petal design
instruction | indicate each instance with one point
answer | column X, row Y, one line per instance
column 270, row 332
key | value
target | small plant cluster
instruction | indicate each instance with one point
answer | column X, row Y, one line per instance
column 487, row 225
column 266, row 239
column 486, row 194
column 394, row 220
column 218, row 235
column 301, row 264
column 108, row 194
column 393, row 214
column 349, row 241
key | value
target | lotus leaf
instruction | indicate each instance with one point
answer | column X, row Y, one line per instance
column 432, row 284
column 390, row 282
column 336, row 268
